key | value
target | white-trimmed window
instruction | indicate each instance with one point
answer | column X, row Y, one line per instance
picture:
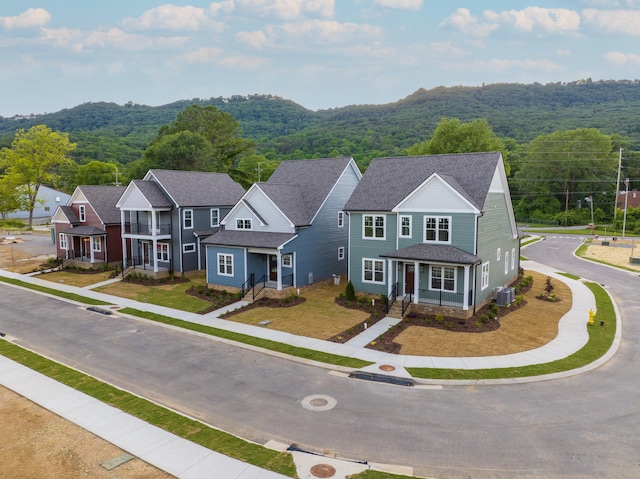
column 437, row 229
column 340, row 219
column 162, row 251
column 506, row 262
column 82, row 213
column 443, row 278
column 215, row 216
column 498, row 254
column 187, row 219
column 340, row 253
column 225, row 264
column 189, row 248
column 484, row 282
column 513, row 258
column 405, row 227
column 63, row 241
column 286, row 261
column 373, row 226
column 373, row 270
column 96, row 244
column 243, row 224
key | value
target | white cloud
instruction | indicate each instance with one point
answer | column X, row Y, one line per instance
column 34, row 17
column 400, row 4
column 244, row 62
column 550, row 20
column 257, row 40
column 500, row 65
column 169, row 17
column 619, row 59
column 625, row 22
column 225, row 6
column 468, row 24
column 326, row 31
column 203, row 55
column 288, row 10
column 79, row 40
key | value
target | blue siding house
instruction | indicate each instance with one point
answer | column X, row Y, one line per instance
column 165, row 216
column 437, row 231
column 288, row 231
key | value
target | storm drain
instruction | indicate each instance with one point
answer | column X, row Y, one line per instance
column 323, row 471
column 318, row 402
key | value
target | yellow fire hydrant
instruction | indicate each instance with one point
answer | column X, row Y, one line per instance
column 591, row 316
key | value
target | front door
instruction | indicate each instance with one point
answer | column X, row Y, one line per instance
column 146, row 252
column 409, row 278
column 273, row 267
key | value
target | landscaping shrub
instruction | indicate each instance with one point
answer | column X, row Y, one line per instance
column 349, row 292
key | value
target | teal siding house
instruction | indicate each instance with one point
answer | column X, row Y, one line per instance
column 437, row 231
column 290, row 231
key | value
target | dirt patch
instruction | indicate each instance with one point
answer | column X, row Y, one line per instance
column 26, row 255
column 617, row 252
column 36, row 443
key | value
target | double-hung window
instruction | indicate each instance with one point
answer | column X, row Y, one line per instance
column 243, row 224
column 225, row 264
column 162, row 252
column 484, row 282
column 443, row 278
column 373, row 226
column 187, row 219
column 215, row 216
column 340, row 219
column 506, row 262
column 513, row 258
column 96, row 244
column 437, row 229
column 372, row 270
column 340, row 253
column 63, row 241
column 405, row 227
column 82, row 213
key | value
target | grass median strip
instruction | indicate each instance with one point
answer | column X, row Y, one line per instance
column 600, row 340
column 251, row 340
column 152, row 413
column 54, row 292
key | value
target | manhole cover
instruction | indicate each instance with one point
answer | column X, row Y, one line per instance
column 323, row 470
column 318, row 402
column 387, row 367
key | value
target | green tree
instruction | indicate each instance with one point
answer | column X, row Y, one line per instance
column 567, row 166
column 35, row 158
column 97, row 173
column 453, row 136
column 10, row 198
column 257, row 167
column 200, row 138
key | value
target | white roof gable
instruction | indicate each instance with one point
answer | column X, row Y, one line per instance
column 435, row 195
column 257, row 205
column 133, row 199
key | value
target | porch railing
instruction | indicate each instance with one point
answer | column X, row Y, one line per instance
column 392, row 297
column 86, row 256
column 406, row 301
column 146, row 229
column 441, row 298
column 260, row 285
column 248, row 284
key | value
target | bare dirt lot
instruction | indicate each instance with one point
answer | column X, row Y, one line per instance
column 35, row 443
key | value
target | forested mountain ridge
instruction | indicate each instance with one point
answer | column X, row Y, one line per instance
column 283, row 129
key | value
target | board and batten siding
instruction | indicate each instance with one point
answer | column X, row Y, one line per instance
column 494, row 231
column 213, row 276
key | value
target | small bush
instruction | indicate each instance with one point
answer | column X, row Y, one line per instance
column 349, row 292
column 439, row 318
column 549, row 286
column 519, row 299
column 383, row 298
column 484, row 318
column 494, row 309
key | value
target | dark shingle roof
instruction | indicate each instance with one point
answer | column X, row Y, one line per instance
column 433, row 253
column 70, row 214
column 103, row 200
column 199, row 188
column 249, row 239
column 299, row 187
column 152, row 192
column 388, row 181
column 85, row 231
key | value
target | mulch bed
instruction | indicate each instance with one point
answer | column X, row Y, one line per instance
column 386, row 342
column 143, row 279
column 220, row 299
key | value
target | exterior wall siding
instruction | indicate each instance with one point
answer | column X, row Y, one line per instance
column 213, row 276
column 462, row 230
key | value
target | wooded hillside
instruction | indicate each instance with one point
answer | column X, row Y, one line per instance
column 283, row 129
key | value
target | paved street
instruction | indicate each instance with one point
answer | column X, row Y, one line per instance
column 583, row 426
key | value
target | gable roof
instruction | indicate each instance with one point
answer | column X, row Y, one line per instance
column 152, row 192
column 197, row 188
column 103, row 200
column 300, row 187
column 388, row 181
column 249, row 239
column 68, row 212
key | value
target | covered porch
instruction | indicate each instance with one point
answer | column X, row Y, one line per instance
column 86, row 244
column 434, row 275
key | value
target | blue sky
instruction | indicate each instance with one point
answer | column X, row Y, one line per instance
column 56, row 54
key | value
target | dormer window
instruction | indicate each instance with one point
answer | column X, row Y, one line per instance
column 243, row 224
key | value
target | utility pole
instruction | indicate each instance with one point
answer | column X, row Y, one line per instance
column 626, row 198
column 566, row 206
column 615, row 201
column 259, row 171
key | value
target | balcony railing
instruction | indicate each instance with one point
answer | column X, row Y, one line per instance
column 146, row 229
column 441, row 298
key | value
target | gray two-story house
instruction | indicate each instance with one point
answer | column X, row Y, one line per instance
column 438, row 231
column 288, row 231
column 165, row 216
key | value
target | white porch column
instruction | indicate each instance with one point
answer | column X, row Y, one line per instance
column 279, row 256
column 389, row 276
column 154, row 253
column 93, row 259
column 465, row 299
column 124, row 240
column 416, row 282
